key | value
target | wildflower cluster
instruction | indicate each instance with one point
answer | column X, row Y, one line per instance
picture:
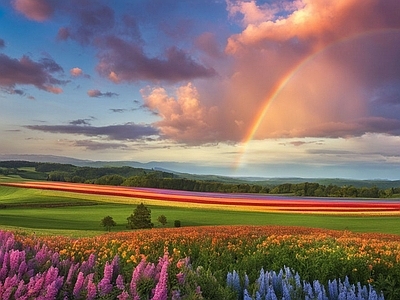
column 287, row 285
column 154, row 264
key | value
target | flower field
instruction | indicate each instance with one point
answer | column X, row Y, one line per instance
column 220, row 262
column 236, row 201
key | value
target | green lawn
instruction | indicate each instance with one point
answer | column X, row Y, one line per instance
column 56, row 212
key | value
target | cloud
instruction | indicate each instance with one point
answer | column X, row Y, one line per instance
column 118, row 110
column 314, row 22
column 80, row 122
column 28, row 72
column 37, row 10
column 124, row 61
column 76, row 72
column 2, row 43
column 87, row 22
column 97, row 93
column 310, row 68
column 183, row 118
column 128, row 131
column 96, row 146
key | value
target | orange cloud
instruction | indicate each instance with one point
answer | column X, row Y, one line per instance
column 311, row 66
column 76, row 72
column 184, row 119
column 317, row 22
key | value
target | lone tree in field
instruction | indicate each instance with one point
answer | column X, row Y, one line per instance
column 108, row 222
column 162, row 219
column 141, row 218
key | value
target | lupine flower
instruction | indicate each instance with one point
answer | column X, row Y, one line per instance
column 123, row 296
column 78, row 285
column 91, row 288
column 105, row 284
column 161, row 289
column 120, row 282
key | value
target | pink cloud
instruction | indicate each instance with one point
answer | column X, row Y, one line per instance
column 318, row 22
column 355, row 46
column 28, row 72
column 38, row 10
column 183, row 118
column 76, row 72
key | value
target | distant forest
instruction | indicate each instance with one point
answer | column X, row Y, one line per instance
column 138, row 177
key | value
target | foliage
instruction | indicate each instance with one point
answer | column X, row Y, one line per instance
column 141, row 218
column 177, row 223
column 162, row 219
column 138, row 177
column 108, row 222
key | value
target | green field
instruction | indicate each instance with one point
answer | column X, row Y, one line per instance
column 56, row 212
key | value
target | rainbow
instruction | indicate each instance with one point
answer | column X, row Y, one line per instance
column 291, row 73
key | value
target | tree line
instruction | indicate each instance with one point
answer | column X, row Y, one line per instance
column 138, row 177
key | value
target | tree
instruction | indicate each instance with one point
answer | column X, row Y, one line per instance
column 108, row 222
column 141, row 218
column 162, row 219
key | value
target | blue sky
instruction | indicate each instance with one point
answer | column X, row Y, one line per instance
column 306, row 88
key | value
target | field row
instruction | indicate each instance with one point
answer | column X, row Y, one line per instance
column 236, row 201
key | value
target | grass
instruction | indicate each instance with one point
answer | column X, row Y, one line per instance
column 65, row 213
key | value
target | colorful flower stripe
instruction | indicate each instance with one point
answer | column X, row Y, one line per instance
column 250, row 201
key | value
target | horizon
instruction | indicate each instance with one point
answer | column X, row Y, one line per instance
column 239, row 88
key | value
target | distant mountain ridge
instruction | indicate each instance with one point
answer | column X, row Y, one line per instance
column 177, row 168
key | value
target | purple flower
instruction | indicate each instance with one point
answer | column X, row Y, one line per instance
column 91, row 288
column 136, row 276
column 78, row 285
column 51, row 275
column 161, row 289
column 105, row 285
column 120, row 282
column 53, row 288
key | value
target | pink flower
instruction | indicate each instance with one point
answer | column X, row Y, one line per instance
column 78, row 285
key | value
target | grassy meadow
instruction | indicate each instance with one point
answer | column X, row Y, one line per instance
column 66, row 213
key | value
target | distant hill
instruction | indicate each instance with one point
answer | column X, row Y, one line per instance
column 175, row 167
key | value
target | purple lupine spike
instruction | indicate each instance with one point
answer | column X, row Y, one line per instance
column 35, row 285
column 91, row 287
column 161, row 289
column 16, row 257
column 55, row 259
column 51, row 276
column 8, row 287
column 4, row 268
column 41, row 255
column 53, row 289
column 120, row 282
column 105, row 285
column 149, row 270
column 10, row 242
column 78, row 285
column 21, row 290
column 87, row 266
column 115, row 265
column 136, row 276
column 71, row 272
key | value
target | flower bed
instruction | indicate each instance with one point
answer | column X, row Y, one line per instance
column 196, row 262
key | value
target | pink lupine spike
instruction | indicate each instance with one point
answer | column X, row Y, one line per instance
column 78, row 285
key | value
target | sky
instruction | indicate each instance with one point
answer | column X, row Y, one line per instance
column 273, row 88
